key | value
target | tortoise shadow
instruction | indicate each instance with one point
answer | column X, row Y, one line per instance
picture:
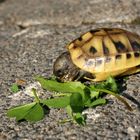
column 122, row 88
column 2, row 1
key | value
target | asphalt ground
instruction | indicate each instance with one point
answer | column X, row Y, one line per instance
column 33, row 33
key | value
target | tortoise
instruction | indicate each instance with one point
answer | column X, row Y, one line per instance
column 99, row 53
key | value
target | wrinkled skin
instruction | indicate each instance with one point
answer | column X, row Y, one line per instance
column 64, row 69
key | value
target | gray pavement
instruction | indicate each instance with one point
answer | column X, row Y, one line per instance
column 32, row 34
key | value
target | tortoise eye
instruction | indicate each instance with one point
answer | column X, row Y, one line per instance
column 59, row 72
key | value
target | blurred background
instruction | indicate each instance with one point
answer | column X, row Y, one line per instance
column 69, row 12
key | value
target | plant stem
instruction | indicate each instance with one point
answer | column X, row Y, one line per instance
column 35, row 95
column 117, row 96
column 65, row 120
column 61, row 94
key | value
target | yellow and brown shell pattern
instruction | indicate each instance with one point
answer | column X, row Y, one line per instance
column 106, row 51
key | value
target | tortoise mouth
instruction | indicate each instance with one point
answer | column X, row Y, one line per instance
column 71, row 76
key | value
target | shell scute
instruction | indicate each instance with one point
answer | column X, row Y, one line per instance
column 106, row 50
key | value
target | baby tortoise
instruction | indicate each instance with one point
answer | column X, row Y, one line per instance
column 98, row 54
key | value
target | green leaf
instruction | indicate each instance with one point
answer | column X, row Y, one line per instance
column 111, row 84
column 93, row 93
column 68, row 87
column 31, row 112
column 69, row 111
column 59, row 102
column 20, row 111
column 97, row 102
column 35, row 114
column 76, row 102
column 85, row 94
column 14, row 88
column 80, row 119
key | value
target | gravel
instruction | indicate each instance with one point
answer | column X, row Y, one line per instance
column 30, row 49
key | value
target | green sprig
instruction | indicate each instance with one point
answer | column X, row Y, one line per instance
column 74, row 96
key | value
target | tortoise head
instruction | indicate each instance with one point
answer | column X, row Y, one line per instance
column 64, row 69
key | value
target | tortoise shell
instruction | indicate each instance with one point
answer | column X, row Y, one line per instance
column 106, row 51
